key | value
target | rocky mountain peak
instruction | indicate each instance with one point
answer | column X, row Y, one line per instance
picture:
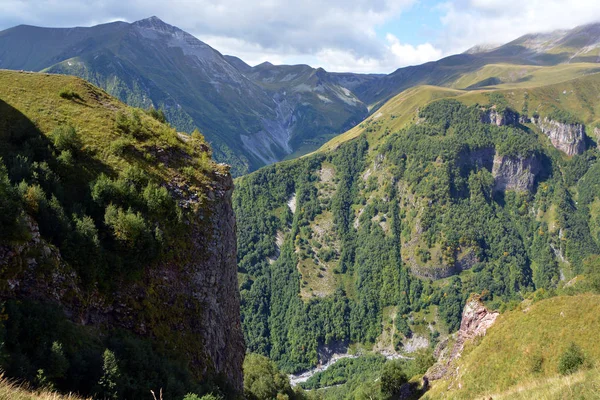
column 154, row 23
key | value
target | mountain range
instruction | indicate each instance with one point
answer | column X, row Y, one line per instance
column 441, row 239
column 253, row 116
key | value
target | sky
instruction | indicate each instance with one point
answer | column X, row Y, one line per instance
column 371, row 36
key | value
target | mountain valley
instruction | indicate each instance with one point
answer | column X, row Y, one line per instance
column 431, row 233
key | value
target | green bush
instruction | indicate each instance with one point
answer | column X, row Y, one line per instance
column 158, row 115
column 262, row 379
column 571, row 360
column 66, row 158
column 65, row 137
column 158, row 200
column 392, row 378
column 69, row 94
column 118, row 146
column 128, row 227
column 130, row 124
column 110, row 376
column 11, row 211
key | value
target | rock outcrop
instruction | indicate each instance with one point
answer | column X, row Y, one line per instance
column 569, row 138
column 597, row 136
column 499, row 118
column 189, row 301
column 476, row 320
column 515, row 173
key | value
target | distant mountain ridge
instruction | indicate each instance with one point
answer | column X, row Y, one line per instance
column 253, row 115
column 151, row 63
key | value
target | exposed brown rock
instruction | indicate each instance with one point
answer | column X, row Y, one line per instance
column 476, row 320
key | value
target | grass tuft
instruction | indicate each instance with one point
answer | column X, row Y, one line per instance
column 10, row 390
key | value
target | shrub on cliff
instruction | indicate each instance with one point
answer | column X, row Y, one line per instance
column 10, row 209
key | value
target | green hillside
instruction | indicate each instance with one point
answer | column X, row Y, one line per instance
column 520, row 354
column 93, row 196
column 382, row 234
column 255, row 116
column 568, row 87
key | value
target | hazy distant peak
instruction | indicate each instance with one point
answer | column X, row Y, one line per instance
column 482, row 48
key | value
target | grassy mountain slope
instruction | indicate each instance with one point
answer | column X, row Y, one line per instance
column 568, row 87
column 521, row 352
column 522, row 76
column 579, row 45
column 102, row 209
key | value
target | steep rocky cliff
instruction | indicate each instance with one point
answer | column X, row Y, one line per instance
column 515, row 173
column 159, row 261
column 569, row 138
column 190, row 301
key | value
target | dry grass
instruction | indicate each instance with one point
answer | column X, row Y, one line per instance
column 582, row 385
column 10, row 390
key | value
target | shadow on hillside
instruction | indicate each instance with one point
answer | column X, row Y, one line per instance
column 31, row 155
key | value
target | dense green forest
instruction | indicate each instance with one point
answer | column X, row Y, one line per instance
column 386, row 231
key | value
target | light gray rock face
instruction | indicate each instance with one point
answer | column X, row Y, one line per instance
column 506, row 117
column 569, row 138
column 515, row 173
column 191, row 301
column 597, row 136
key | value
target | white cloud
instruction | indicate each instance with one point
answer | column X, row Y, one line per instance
column 338, row 35
column 469, row 22
column 406, row 54
column 396, row 55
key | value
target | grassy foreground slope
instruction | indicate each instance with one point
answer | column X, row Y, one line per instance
column 520, row 353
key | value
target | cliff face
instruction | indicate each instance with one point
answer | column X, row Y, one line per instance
column 515, row 173
column 190, row 302
column 569, row 138
column 506, row 117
